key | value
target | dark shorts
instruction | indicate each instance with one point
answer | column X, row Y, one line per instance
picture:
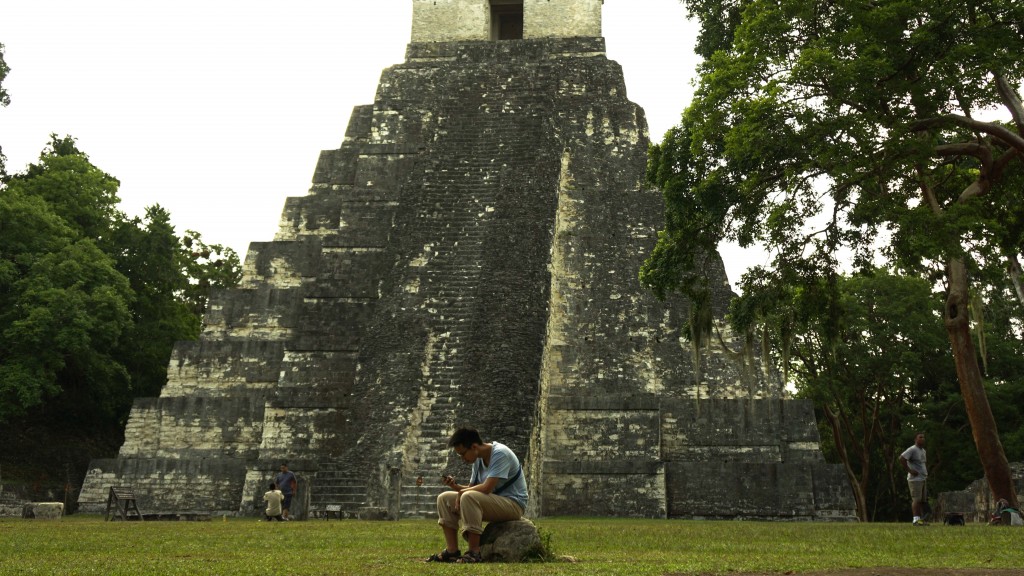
column 287, row 501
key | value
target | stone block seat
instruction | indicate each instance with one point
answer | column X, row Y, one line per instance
column 44, row 510
column 513, row 541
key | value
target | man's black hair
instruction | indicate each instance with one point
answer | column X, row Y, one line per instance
column 465, row 437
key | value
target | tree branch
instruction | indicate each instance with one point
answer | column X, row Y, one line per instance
column 979, row 187
column 1014, row 271
column 1012, row 101
column 722, row 343
column 966, row 149
column 1016, row 141
column 928, row 193
column 983, row 184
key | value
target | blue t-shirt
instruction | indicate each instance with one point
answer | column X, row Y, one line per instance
column 504, row 465
column 284, row 482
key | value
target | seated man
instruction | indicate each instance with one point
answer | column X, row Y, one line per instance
column 496, row 492
column 273, row 498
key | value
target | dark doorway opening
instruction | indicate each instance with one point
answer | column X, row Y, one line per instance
column 506, row 20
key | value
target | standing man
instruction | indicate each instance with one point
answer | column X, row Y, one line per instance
column 496, row 492
column 288, row 485
column 915, row 461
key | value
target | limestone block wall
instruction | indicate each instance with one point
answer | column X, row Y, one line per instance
column 513, row 303
column 222, row 367
column 605, row 489
column 718, row 489
column 470, row 20
column 167, row 484
column 450, row 20
column 562, row 18
column 602, row 457
column 739, row 430
column 748, row 458
column 263, row 313
column 832, row 495
column 758, row 490
column 194, row 427
column 281, row 265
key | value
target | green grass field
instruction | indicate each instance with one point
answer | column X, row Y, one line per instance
column 88, row 545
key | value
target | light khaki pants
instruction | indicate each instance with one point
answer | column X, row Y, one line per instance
column 475, row 509
column 916, row 490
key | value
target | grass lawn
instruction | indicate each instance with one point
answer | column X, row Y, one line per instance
column 88, row 545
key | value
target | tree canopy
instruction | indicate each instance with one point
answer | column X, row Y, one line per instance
column 5, row 100
column 91, row 301
column 844, row 135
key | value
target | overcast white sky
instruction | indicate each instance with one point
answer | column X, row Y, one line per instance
column 218, row 109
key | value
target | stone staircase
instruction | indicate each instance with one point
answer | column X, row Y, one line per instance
column 334, row 485
column 457, row 206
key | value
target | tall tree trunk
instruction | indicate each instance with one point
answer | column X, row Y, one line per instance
column 858, row 485
column 1014, row 271
column 983, row 424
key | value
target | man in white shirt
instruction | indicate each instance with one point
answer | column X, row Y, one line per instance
column 915, row 461
column 273, row 498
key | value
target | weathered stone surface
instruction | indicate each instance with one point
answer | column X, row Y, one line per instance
column 976, row 502
column 476, row 20
column 513, row 541
column 44, row 510
column 167, row 484
column 469, row 256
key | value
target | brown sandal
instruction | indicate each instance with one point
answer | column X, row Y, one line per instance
column 445, row 556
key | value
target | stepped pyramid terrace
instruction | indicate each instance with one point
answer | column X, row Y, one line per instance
column 469, row 256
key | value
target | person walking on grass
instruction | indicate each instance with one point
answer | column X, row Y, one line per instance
column 496, row 492
column 915, row 461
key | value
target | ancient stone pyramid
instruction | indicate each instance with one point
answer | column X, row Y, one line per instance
column 469, row 256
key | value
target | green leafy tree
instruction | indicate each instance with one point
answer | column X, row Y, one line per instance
column 827, row 129
column 5, row 100
column 207, row 267
column 54, row 209
column 1001, row 348
column 81, row 194
column 148, row 253
column 91, row 304
column 868, row 375
column 171, row 278
column 64, row 307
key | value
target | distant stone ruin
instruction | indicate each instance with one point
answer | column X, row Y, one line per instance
column 976, row 502
column 469, row 256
